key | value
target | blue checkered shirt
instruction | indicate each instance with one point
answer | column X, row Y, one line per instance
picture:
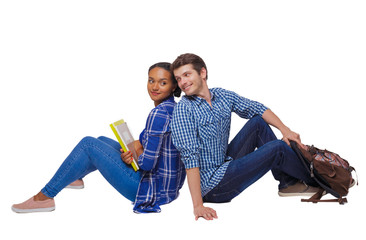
column 163, row 172
column 201, row 132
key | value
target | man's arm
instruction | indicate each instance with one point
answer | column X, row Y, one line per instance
column 247, row 108
column 271, row 118
column 184, row 136
column 194, row 179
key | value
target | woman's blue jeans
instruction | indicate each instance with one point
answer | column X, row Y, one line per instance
column 249, row 164
column 92, row 154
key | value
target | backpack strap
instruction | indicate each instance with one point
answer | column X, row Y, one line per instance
column 317, row 198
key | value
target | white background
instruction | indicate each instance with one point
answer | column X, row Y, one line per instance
column 69, row 68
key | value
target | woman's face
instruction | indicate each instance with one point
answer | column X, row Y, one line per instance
column 160, row 85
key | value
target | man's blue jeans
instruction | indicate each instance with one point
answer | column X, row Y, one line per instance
column 92, row 154
column 249, row 164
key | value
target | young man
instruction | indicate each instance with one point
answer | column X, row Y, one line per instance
column 218, row 171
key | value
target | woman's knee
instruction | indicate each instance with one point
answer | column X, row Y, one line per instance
column 87, row 140
column 103, row 138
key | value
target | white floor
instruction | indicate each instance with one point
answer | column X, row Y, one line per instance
column 69, row 68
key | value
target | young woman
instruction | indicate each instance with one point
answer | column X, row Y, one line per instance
column 161, row 173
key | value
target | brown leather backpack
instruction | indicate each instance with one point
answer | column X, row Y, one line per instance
column 329, row 170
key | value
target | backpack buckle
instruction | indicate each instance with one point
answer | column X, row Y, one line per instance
column 312, row 169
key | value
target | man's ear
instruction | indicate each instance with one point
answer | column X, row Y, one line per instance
column 203, row 73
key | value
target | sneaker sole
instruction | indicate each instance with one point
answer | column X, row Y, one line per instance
column 303, row 194
column 74, row 187
column 18, row 210
column 281, row 194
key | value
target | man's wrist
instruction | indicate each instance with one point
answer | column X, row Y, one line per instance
column 198, row 204
column 284, row 129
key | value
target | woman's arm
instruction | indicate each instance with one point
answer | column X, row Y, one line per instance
column 138, row 148
column 157, row 125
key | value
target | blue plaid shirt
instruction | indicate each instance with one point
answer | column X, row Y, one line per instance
column 163, row 172
column 201, row 132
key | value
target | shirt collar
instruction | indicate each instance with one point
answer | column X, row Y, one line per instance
column 171, row 98
column 168, row 99
column 199, row 100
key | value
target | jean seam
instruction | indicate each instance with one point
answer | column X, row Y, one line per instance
column 113, row 160
column 69, row 165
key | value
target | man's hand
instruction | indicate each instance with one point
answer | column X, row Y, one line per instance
column 205, row 212
column 194, row 178
column 290, row 135
column 271, row 118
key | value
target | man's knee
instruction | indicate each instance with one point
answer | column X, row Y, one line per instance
column 258, row 121
column 279, row 145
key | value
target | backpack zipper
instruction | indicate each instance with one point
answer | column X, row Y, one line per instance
column 312, row 169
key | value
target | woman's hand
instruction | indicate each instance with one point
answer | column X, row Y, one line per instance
column 205, row 212
column 138, row 147
column 126, row 156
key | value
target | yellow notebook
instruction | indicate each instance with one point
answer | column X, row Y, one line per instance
column 125, row 139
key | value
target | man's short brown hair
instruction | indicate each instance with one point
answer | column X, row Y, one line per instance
column 189, row 58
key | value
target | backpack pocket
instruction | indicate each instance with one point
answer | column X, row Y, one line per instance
column 325, row 168
column 337, row 177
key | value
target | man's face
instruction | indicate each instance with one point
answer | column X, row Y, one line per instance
column 189, row 80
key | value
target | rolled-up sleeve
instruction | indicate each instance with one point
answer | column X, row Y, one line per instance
column 156, row 126
column 245, row 107
column 184, row 136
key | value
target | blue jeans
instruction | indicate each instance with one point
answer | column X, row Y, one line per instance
column 92, row 154
column 249, row 164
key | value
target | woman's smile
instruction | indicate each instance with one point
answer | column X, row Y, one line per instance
column 160, row 85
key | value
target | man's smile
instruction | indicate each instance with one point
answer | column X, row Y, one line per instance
column 186, row 87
